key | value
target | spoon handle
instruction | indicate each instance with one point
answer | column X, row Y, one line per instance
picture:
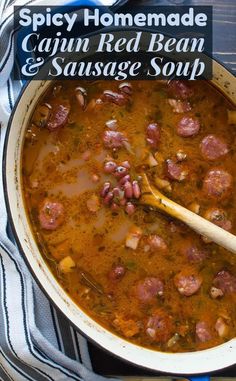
column 194, row 221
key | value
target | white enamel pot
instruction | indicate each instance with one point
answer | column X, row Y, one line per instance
column 179, row 363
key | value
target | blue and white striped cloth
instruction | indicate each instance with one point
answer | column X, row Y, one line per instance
column 36, row 342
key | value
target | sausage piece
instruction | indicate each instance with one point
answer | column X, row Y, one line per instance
column 159, row 326
column 188, row 127
column 217, row 183
column 113, row 139
column 58, row 117
column 193, row 253
column 180, row 89
column 188, row 282
column 225, row 281
column 202, row 332
column 113, row 97
column 212, row 148
column 149, row 288
column 176, row 171
column 218, row 217
column 51, row 215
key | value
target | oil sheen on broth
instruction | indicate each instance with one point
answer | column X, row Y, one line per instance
column 141, row 274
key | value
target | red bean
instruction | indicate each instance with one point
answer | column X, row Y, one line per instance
column 51, row 214
column 109, row 167
column 188, row 282
column 120, row 171
column 149, row 288
column 188, row 127
column 113, row 139
column 108, row 198
column 225, row 281
column 179, row 89
column 114, row 206
column 124, row 179
column 159, row 326
column 105, row 189
column 136, row 189
column 113, row 97
column 212, row 148
column 130, row 208
column 81, row 95
column 202, row 332
column 116, row 273
column 126, row 88
column 153, row 135
column 58, row 117
column 128, row 189
column 179, row 107
column 217, row 183
column 176, row 171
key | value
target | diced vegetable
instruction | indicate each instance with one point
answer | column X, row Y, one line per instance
column 66, row 265
column 133, row 238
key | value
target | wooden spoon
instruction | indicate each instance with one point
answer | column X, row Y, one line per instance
column 152, row 196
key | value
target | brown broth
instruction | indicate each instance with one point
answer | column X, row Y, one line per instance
column 54, row 168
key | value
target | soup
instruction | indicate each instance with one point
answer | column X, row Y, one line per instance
column 139, row 273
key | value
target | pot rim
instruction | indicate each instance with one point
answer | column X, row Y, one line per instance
column 176, row 363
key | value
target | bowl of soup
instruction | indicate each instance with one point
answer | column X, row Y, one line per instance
column 138, row 283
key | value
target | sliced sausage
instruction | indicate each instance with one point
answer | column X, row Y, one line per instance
column 217, row 183
column 188, row 127
column 218, row 217
column 159, row 326
column 58, row 117
column 212, row 147
column 149, row 288
column 203, row 333
column 176, row 171
column 153, row 134
column 119, row 99
column 113, row 139
column 193, row 253
column 179, row 107
column 225, row 281
column 156, row 243
column 180, row 89
column 51, row 215
column 188, row 282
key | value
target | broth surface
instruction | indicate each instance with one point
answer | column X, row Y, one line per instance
column 139, row 273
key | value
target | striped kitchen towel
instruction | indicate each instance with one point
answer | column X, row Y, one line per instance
column 36, row 342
